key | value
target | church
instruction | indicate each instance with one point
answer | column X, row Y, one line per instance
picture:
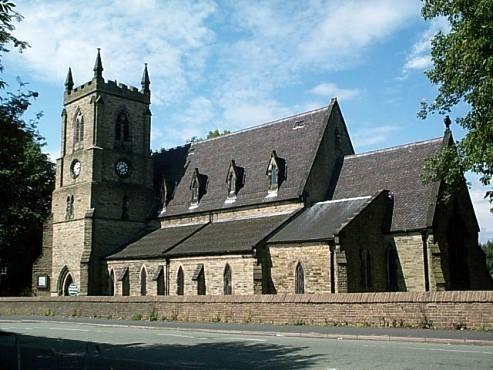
column 283, row 207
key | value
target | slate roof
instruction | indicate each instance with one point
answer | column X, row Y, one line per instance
column 155, row 243
column 228, row 237
column 321, row 221
column 251, row 150
column 397, row 169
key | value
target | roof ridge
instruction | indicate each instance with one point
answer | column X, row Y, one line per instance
column 265, row 124
column 343, row 200
column 396, row 147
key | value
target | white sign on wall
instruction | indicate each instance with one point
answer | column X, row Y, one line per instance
column 73, row 289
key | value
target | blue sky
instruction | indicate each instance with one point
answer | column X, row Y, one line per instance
column 234, row 64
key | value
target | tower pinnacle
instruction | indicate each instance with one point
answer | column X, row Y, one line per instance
column 69, row 81
column 447, row 121
column 145, row 81
column 98, row 66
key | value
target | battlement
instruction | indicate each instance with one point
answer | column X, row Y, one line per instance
column 108, row 87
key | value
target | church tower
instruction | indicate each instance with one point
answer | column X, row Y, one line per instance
column 104, row 185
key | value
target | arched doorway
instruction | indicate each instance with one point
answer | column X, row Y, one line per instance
column 64, row 280
column 66, row 284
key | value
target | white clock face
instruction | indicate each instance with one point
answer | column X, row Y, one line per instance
column 122, row 168
column 75, row 168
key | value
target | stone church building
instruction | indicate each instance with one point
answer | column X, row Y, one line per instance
column 283, row 207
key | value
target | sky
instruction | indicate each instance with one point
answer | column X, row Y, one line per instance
column 234, row 64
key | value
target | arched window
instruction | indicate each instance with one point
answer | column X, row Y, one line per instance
column 201, row 282
column 365, row 260
column 126, row 284
column 391, row 266
column 78, row 127
column 160, row 282
column 180, row 282
column 122, row 128
column 299, row 280
column 69, row 208
column 143, row 281
column 228, row 283
column 111, row 283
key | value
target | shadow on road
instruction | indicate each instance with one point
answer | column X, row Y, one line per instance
column 49, row 353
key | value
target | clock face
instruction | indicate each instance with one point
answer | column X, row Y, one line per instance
column 122, row 168
column 75, row 168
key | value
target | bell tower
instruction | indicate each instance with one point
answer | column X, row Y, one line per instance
column 104, row 185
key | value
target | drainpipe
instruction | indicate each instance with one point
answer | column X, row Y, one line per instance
column 166, row 291
column 332, row 249
column 424, row 238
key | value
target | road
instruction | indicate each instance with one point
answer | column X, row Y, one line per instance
column 93, row 344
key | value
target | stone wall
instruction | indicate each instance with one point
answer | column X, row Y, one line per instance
column 42, row 265
column 242, row 273
column 314, row 258
column 410, row 251
column 134, row 270
column 451, row 310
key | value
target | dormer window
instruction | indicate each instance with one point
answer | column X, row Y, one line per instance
column 273, row 177
column 197, row 187
column 234, row 179
column 275, row 174
column 231, row 185
column 163, row 194
column 195, row 191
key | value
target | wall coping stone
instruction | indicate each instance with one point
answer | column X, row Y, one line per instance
column 318, row 298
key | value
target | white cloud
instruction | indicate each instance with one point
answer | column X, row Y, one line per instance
column 369, row 136
column 419, row 58
column 170, row 36
column 237, row 56
column 330, row 90
column 482, row 208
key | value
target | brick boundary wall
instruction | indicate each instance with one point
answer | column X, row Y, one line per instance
column 445, row 310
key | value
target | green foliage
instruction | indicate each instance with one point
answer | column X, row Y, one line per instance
column 153, row 316
column 26, row 174
column 7, row 18
column 463, row 70
column 488, row 251
column 136, row 317
column 210, row 135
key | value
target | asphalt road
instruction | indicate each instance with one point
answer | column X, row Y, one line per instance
column 93, row 344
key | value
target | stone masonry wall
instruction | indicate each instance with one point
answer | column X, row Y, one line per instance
column 242, row 269
column 134, row 270
column 410, row 251
column 451, row 310
column 314, row 258
column 42, row 265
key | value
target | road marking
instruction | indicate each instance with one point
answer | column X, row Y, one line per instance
column 246, row 339
column 67, row 329
column 176, row 335
column 451, row 350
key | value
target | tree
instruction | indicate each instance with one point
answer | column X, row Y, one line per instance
column 488, row 251
column 26, row 174
column 463, row 70
column 210, row 135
